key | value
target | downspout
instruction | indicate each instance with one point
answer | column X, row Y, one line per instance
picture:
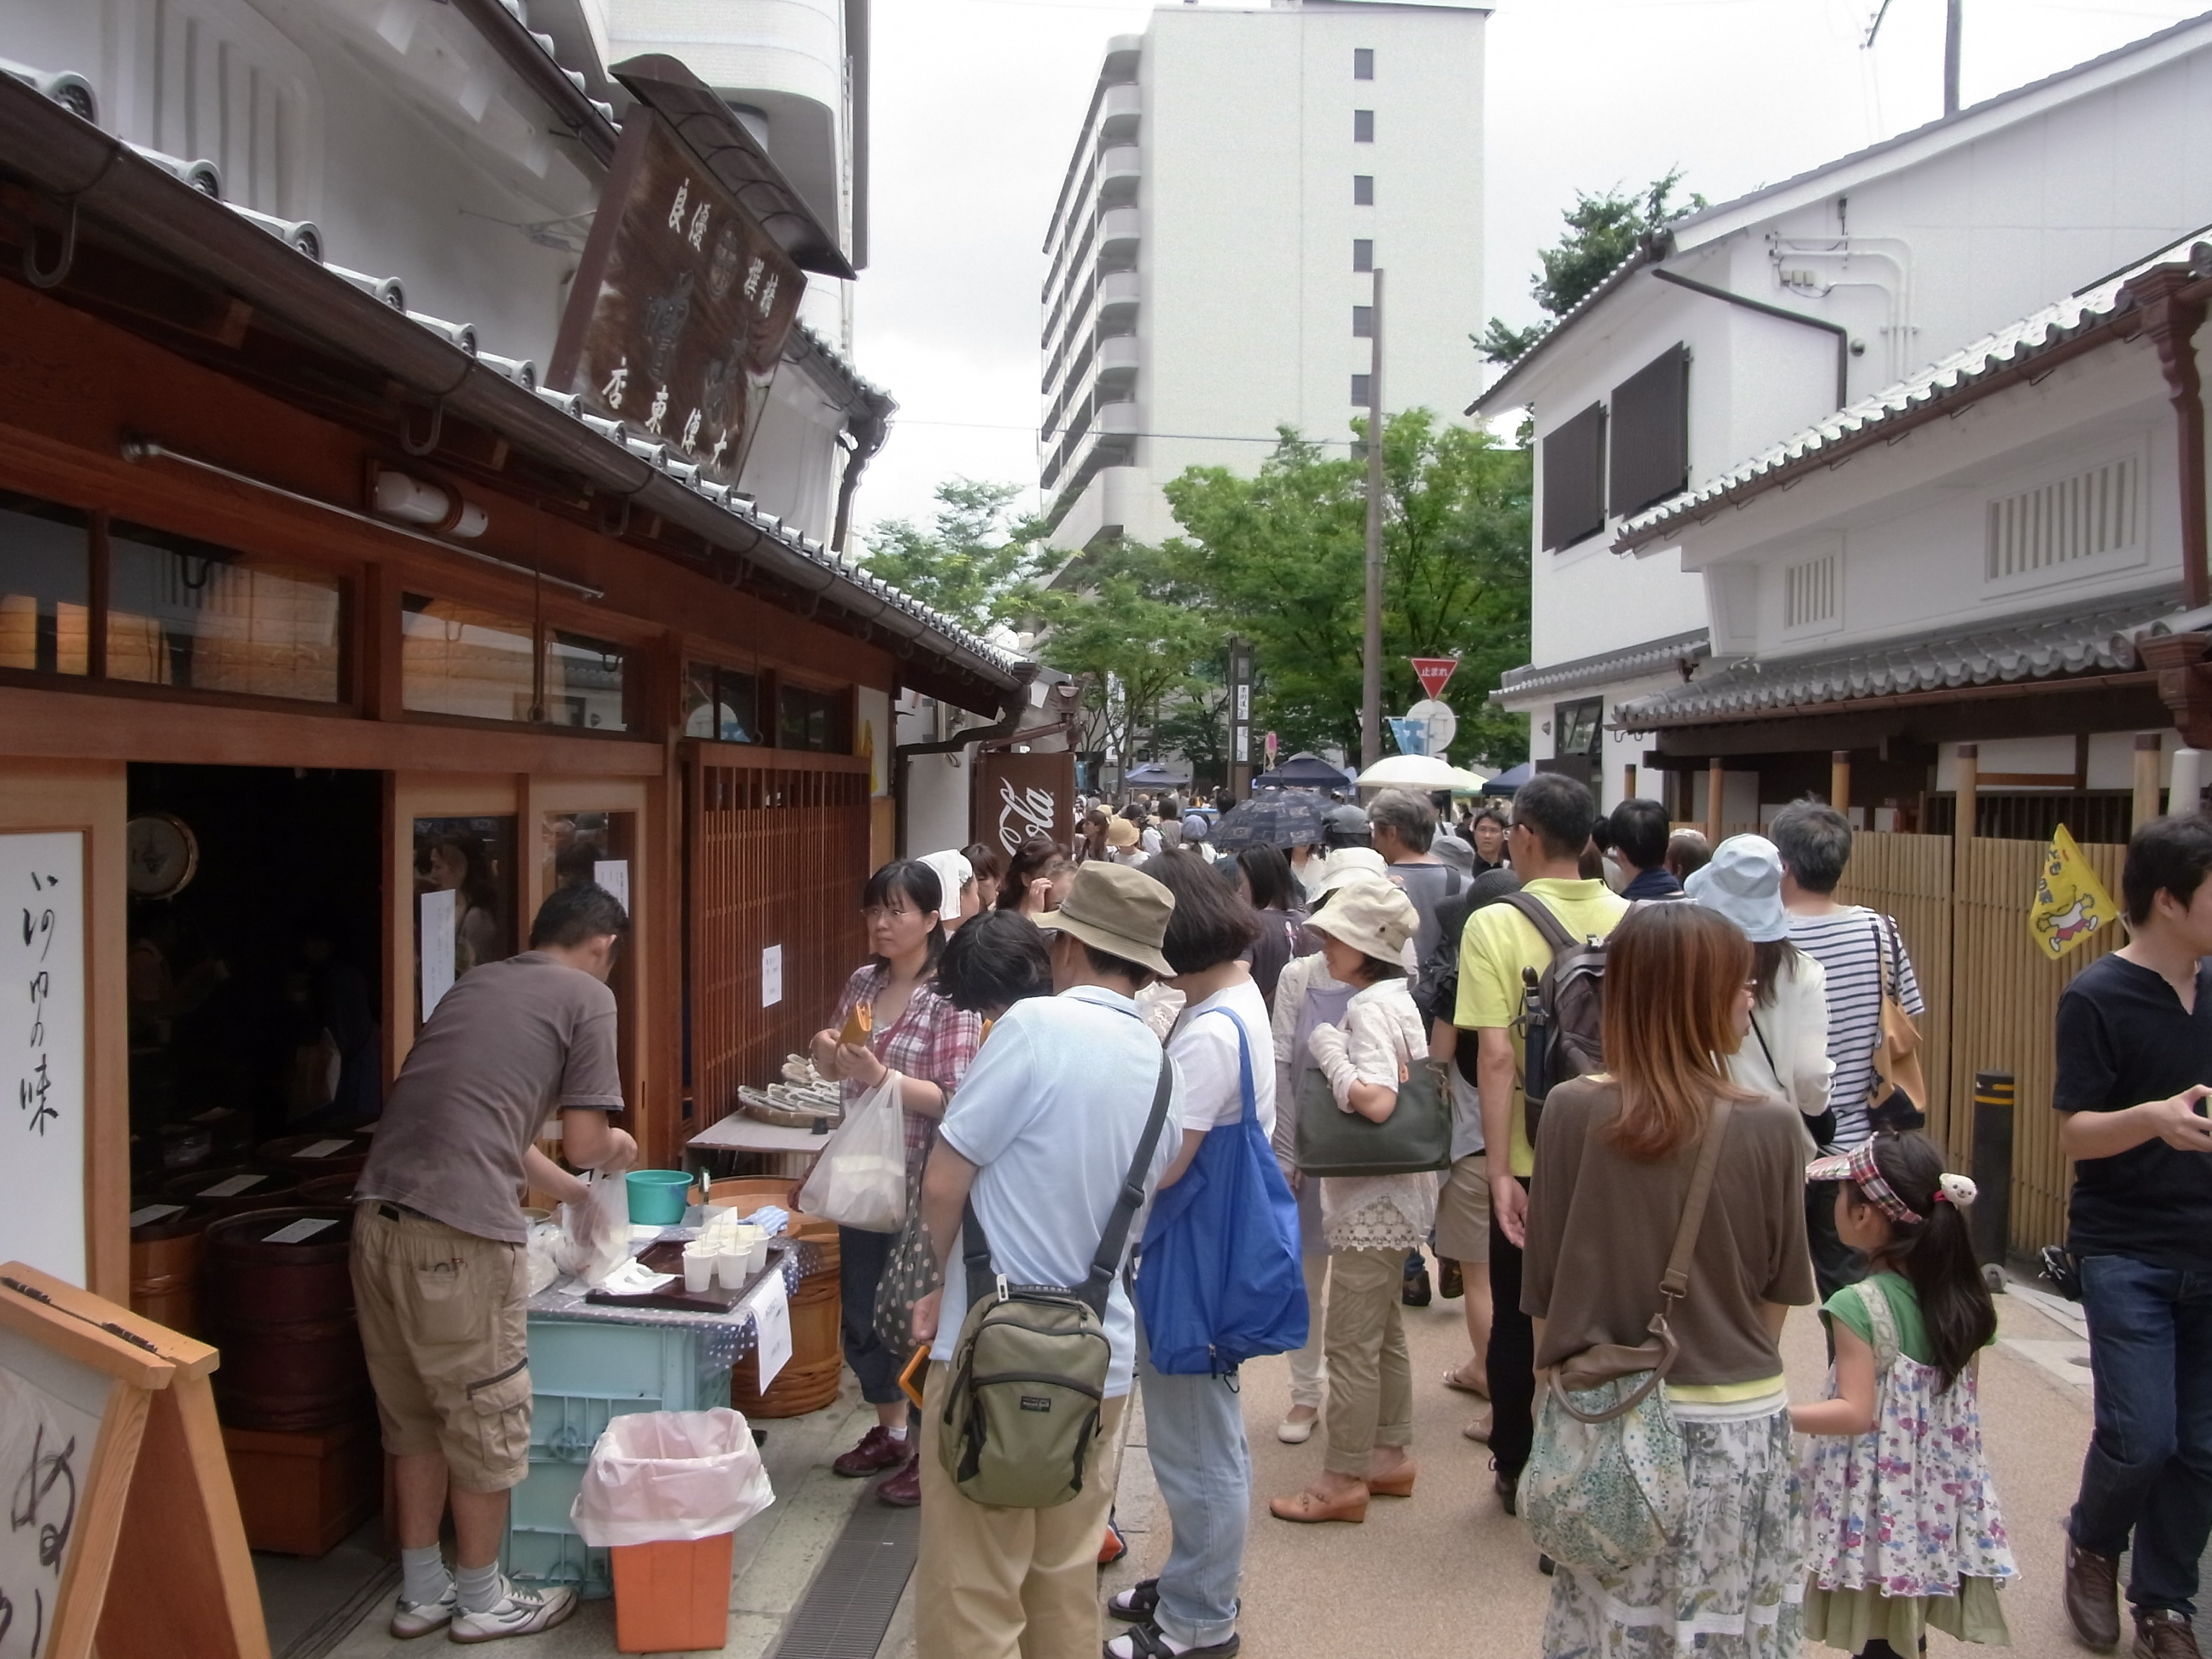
column 1842, row 335
column 2172, row 323
column 868, row 433
column 1012, row 712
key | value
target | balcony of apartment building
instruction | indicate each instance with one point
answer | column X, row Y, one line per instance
column 1118, row 176
column 1120, row 109
column 1105, row 433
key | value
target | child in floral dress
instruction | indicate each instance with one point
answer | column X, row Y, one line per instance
column 1905, row 1529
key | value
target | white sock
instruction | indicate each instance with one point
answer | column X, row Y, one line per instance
column 422, row 1576
column 480, row 1588
column 897, row 1430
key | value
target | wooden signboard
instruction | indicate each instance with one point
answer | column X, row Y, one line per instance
column 675, row 322
column 112, row 1473
column 1017, row 796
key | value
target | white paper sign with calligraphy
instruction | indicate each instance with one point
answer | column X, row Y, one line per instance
column 50, row 1414
column 42, row 1052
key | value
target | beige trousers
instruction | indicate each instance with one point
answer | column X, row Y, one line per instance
column 995, row 1583
column 1371, row 1378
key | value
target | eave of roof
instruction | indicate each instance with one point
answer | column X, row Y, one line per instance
column 1629, row 662
column 2059, row 639
column 107, row 184
column 1649, row 252
column 2078, row 323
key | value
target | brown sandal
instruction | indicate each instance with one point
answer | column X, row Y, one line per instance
column 1305, row 1506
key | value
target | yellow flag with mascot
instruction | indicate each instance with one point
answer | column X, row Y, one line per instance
column 2070, row 902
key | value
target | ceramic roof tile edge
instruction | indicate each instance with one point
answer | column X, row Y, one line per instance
column 1652, row 654
column 1650, row 251
column 1960, row 374
column 1636, row 262
column 2057, row 640
column 859, row 391
column 68, row 158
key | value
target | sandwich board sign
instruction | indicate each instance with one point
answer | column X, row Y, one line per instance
column 112, row 1465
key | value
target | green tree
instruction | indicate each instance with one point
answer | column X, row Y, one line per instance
column 1135, row 637
column 973, row 563
column 1601, row 231
column 1279, row 558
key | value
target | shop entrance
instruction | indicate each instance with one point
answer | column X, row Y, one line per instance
column 256, row 1014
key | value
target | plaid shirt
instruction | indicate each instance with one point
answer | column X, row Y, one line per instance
column 932, row 1041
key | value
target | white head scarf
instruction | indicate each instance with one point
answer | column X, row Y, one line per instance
column 953, row 873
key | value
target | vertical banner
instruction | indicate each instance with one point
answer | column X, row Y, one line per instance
column 1240, row 718
column 439, row 947
column 1017, row 796
column 42, row 1052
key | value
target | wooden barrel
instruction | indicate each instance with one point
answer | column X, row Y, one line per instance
column 244, row 1188
column 810, row 1378
column 165, row 1268
column 327, row 1189
column 309, row 1156
column 746, row 1193
column 282, row 1314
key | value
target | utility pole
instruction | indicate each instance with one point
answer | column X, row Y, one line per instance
column 1370, row 661
column 1953, row 21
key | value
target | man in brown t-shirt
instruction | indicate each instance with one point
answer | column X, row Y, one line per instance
column 439, row 1270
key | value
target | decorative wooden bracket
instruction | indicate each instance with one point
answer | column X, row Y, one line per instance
column 2185, row 682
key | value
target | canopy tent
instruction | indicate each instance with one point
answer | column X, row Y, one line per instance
column 1155, row 775
column 1304, row 771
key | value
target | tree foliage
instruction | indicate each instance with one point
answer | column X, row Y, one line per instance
column 1134, row 635
column 1602, row 230
column 973, row 563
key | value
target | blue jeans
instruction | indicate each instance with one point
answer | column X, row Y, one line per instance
column 1194, row 1431
column 2148, row 1471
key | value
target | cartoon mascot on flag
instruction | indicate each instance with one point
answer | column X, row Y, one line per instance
column 2070, row 902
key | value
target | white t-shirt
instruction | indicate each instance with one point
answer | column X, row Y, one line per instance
column 1204, row 1051
column 1051, row 1112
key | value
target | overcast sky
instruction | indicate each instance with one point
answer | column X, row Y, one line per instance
column 977, row 104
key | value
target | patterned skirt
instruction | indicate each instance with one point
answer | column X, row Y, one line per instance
column 1734, row 1587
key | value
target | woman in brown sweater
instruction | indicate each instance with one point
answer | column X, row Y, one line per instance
column 1614, row 1155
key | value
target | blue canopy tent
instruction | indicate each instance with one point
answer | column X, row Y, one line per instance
column 1304, row 771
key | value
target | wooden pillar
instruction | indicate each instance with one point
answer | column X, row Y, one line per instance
column 1628, row 782
column 1715, row 787
column 2147, row 766
column 1970, row 785
column 1839, row 780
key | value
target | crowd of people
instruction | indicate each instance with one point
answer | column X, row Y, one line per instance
column 1633, row 1096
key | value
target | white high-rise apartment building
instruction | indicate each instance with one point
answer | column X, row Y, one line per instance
column 1240, row 173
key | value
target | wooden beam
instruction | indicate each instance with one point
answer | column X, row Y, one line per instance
column 2148, row 746
column 1839, row 780
column 1715, row 787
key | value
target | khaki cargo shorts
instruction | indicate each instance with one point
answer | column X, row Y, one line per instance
column 1463, row 1211
column 447, row 1340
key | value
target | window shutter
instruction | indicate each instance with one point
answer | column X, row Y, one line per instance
column 1652, row 433
column 1574, row 479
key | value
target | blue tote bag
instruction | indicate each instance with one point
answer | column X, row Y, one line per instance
column 1219, row 1280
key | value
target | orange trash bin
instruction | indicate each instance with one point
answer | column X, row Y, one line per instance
column 672, row 1598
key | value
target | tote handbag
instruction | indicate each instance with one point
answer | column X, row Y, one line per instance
column 1607, row 1485
column 1896, row 1098
column 1219, row 1280
column 1415, row 1137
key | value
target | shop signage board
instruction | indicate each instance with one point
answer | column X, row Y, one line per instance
column 613, row 874
column 1017, row 796
column 675, row 322
column 440, row 921
column 42, row 1051
column 772, row 1328
column 113, row 1466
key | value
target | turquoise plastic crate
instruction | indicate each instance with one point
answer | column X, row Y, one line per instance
column 582, row 1374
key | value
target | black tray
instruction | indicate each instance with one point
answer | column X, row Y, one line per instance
column 667, row 1257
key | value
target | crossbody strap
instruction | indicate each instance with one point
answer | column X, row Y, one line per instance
column 1247, row 1093
column 1675, row 1282
column 1768, row 1052
column 1541, row 917
column 982, row 1277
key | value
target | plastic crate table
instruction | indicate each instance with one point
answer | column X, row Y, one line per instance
column 589, row 1362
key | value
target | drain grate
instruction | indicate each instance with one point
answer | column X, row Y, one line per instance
column 849, row 1607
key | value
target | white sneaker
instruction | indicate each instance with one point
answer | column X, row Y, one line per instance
column 412, row 1619
column 521, row 1612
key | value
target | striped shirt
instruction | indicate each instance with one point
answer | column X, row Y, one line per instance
column 1846, row 946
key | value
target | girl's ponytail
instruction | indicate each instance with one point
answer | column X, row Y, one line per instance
column 1937, row 1255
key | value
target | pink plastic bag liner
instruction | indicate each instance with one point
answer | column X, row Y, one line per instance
column 671, row 1477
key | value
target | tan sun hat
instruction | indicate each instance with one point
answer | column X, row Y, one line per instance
column 1118, row 910
column 1373, row 918
column 1120, row 832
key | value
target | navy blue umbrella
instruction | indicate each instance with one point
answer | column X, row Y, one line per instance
column 1281, row 817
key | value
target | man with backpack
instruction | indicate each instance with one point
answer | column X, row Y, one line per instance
column 1068, row 1105
column 1505, row 966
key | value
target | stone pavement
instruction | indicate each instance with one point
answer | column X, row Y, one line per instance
column 1443, row 1573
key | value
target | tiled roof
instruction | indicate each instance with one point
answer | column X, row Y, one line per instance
column 2059, row 640
column 1953, row 376
column 1602, row 669
column 1649, row 252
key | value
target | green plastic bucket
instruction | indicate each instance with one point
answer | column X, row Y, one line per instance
column 657, row 1197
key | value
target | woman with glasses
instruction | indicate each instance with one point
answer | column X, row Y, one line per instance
column 914, row 1032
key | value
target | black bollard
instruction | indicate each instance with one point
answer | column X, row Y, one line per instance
column 1991, row 1215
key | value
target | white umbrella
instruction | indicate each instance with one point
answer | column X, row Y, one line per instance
column 1411, row 772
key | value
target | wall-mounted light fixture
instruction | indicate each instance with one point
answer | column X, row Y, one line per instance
column 414, row 500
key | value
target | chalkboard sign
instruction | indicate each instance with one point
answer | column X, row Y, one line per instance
column 42, row 1052
column 112, row 1473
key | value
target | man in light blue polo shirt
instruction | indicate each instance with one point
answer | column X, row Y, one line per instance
column 1041, row 1134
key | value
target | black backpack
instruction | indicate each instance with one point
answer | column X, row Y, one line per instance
column 1562, row 1010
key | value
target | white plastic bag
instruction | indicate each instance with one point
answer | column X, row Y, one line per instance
column 859, row 1179
column 669, row 1477
column 595, row 1234
column 544, row 1247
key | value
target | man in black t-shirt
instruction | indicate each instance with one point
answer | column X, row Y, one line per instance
column 2135, row 1066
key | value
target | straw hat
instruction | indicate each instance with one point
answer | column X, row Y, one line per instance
column 1118, row 910
column 1373, row 918
column 1120, row 832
